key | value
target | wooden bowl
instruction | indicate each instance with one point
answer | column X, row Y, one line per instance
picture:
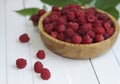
column 77, row 51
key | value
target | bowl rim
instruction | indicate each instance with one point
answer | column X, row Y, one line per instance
column 41, row 29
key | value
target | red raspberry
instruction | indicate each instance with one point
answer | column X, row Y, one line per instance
column 106, row 35
column 80, row 13
column 62, row 20
column 71, row 16
column 86, row 27
column 97, row 24
column 77, row 39
column 61, row 28
column 45, row 74
column 54, row 34
column 35, row 19
column 99, row 30
column 73, row 25
column 61, row 36
column 24, row 38
column 99, row 37
column 107, row 25
column 54, row 17
column 41, row 12
column 87, row 39
column 104, row 17
column 58, row 13
column 55, row 8
column 90, row 18
column 81, row 20
column 48, row 27
column 21, row 63
column 68, row 40
column 40, row 54
column 69, row 32
column 91, row 11
column 110, row 31
column 91, row 34
column 38, row 66
column 46, row 21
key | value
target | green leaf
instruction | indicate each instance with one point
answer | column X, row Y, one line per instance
column 113, row 12
column 59, row 3
column 28, row 11
column 105, row 4
column 84, row 2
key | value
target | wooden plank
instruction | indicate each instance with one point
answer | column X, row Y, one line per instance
column 64, row 71
column 15, row 49
column 107, row 68
column 2, row 43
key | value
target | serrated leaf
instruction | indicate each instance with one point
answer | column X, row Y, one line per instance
column 28, row 11
column 113, row 12
column 60, row 3
column 84, row 2
column 105, row 4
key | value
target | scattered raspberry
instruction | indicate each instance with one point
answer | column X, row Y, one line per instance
column 45, row 74
column 77, row 39
column 38, row 66
column 21, row 63
column 24, row 38
column 35, row 19
column 40, row 54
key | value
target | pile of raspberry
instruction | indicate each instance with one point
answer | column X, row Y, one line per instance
column 77, row 25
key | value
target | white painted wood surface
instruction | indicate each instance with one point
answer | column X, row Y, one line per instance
column 101, row 70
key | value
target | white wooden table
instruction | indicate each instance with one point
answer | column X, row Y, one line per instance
column 101, row 70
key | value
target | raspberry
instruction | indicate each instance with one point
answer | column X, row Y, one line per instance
column 87, row 39
column 21, row 63
column 91, row 34
column 69, row 32
column 55, row 8
column 61, row 28
column 90, row 11
column 73, row 25
column 99, row 38
column 40, row 54
column 71, row 16
column 62, row 20
column 68, row 40
column 104, row 17
column 91, row 18
column 54, row 34
column 54, row 17
column 24, row 38
column 46, row 20
column 45, row 74
column 97, row 24
column 48, row 28
column 61, row 36
column 38, row 66
column 41, row 12
column 35, row 19
column 81, row 20
column 99, row 30
column 107, row 25
column 77, row 39
column 110, row 31
column 80, row 13
column 86, row 27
